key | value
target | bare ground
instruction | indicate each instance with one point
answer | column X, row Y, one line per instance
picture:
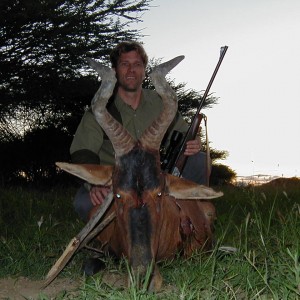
column 24, row 288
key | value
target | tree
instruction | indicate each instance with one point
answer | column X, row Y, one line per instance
column 42, row 49
column 221, row 174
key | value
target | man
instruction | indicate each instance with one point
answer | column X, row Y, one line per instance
column 135, row 108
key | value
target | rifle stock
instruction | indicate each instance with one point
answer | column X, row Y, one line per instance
column 177, row 160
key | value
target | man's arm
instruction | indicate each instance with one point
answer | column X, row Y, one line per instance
column 87, row 142
column 85, row 156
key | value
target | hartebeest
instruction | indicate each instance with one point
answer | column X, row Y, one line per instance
column 157, row 214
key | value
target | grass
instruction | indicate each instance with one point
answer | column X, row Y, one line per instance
column 262, row 223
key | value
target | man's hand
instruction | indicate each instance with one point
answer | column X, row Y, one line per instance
column 98, row 194
column 192, row 147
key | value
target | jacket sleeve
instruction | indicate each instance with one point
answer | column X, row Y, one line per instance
column 87, row 140
column 85, row 156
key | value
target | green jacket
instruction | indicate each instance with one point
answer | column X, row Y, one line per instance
column 90, row 144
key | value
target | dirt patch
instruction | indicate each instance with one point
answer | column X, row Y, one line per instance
column 24, row 288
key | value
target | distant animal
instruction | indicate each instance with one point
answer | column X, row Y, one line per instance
column 157, row 214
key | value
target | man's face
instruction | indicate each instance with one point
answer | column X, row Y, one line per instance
column 130, row 71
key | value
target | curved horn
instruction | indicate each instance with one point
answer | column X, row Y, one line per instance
column 121, row 140
column 154, row 134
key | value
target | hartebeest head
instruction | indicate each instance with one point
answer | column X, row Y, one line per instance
column 144, row 195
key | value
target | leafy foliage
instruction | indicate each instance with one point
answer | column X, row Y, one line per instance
column 42, row 49
column 221, row 174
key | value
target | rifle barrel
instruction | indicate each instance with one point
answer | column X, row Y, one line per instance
column 189, row 133
column 222, row 54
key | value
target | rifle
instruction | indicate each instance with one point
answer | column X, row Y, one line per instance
column 174, row 160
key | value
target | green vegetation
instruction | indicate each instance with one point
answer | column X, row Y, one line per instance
column 261, row 222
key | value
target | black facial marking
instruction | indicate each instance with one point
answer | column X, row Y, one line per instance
column 138, row 171
column 140, row 232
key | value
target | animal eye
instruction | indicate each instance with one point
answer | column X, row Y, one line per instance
column 118, row 196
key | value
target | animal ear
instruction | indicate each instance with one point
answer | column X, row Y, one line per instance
column 181, row 188
column 93, row 174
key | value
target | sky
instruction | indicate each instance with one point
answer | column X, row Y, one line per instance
column 257, row 118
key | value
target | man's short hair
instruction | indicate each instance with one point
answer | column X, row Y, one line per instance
column 125, row 47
